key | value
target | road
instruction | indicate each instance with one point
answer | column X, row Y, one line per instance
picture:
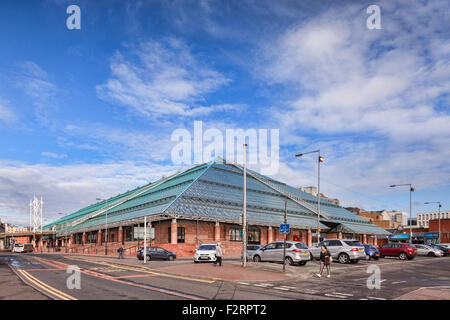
column 108, row 281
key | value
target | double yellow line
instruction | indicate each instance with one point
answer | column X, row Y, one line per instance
column 61, row 295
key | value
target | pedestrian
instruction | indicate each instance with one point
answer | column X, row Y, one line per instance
column 120, row 250
column 325, row 261
column 218, row 255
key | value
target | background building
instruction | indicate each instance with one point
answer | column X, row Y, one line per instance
column 423, row 219
column 313, row 191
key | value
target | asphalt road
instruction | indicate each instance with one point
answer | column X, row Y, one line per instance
column 106, row 281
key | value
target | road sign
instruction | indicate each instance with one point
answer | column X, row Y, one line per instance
column 284, row 228
column 139, row 233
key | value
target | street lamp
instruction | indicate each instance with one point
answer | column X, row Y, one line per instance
column 439, row 215
column 411, row 189
column 319, row 160
column 65, row 242
column 106, row 225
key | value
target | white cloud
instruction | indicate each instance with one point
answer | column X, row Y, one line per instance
column 53, row 155
column 68, row 188
column 374, row 101
column 6, row 115
column 161, row 79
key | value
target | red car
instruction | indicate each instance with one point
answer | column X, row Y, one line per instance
column 402, row 250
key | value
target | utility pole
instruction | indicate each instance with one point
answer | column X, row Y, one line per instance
column 284, row 244
column 145, row 239
column 244, row 218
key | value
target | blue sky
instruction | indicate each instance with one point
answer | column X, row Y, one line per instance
column 89, row 113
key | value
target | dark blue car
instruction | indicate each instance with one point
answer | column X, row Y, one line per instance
column 371, row 251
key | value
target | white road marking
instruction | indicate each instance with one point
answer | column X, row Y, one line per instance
column 263, row 285
column 280, row 288
column 375, row 298
column 307, row 291
column 288, row 287
column 396, row 282
column 244, row 283
column 335, row 296
column 343, row 294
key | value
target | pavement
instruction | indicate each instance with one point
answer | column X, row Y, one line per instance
column 434, row 293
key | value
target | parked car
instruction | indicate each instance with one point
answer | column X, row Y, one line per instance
column 205, row 252
column 155, row 253
column 342, row 250
column 371, row 252
column 445, row 250
column 402, row 250
column 424, row 250
column 296, row 253
column 23, row 247
column 251, row 249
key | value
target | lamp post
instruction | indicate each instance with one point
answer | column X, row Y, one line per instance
column 319, row 160
column 439, row 216
column 411, row 189
column 106, row 224
column 244, row 216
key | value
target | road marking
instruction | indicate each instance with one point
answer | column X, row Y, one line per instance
column 46, row 287
column 335, row 295
column 375, row 298
column 134, row 276
column 396, row 282
column 280, row 288
column 343, row 294
column 308, row 291
column 148, row 287
column 288, row 287
column 245, row 283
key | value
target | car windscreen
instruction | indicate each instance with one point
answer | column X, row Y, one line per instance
column 301, row 245
column 207, row 247
column 353, row 243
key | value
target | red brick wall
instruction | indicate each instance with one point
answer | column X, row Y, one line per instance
column 445, row 229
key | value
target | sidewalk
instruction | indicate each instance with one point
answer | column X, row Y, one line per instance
column 231, row 269
column 431, row 293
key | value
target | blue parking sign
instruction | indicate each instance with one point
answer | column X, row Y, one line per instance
column 284, row 228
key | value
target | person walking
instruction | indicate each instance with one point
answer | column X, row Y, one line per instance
column 325, row 261
column 218, row 255
column 120, row 250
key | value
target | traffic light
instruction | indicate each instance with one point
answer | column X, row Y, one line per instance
column 320, row 229
column 321, row 159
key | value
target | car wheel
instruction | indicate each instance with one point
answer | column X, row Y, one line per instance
column 149, row 258
column 195, row 261
column 431, row 254
column 343, row 258
column 376, row 258
column 170, row 258
column 402, row 256
column 381, row 256
column 289, row 261
column 257, row 258
column 302, row 263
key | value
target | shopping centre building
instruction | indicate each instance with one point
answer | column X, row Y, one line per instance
column 204, row 204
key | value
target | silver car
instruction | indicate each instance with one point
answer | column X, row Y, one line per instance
column 251, row 250
column 296, row 253
column 342, row 250
column 424, row 250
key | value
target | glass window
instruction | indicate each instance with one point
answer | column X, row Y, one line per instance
column 207, row 247
column 254, row 236
column 301, row 245
column 270, row 246
column 334, row 243
column 353, row 243
column 235, row 234
column 180, row 235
